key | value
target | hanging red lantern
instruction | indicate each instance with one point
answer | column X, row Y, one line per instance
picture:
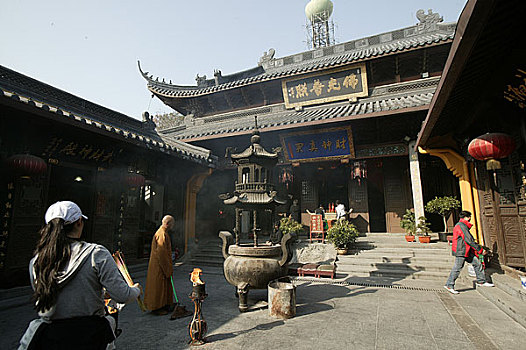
column 490, row 147
column 26, row 164
column 286, row 177
column 134, row 180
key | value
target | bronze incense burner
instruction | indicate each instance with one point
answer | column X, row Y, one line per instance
column 250, row 265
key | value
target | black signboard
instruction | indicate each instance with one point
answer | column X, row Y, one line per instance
column 335, row 85
column 316, row 145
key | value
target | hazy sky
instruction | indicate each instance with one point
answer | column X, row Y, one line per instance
column 90, row 48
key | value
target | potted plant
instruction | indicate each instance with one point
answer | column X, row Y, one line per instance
column 409, row 225
column 289, row 225
column 442, row 206
column 342, row 234
column 422, row 229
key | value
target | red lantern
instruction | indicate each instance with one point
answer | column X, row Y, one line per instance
column 27, row 165
column 134, row 180
column 490, row 147
column 286, row 177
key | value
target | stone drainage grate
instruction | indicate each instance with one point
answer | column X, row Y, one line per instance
column 363, row 284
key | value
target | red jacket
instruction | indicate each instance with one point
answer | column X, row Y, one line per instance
column 463, row 241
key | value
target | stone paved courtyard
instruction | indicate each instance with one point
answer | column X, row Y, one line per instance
column 336, row 316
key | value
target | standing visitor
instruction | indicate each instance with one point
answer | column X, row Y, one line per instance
column 464, row 249
column 320, row 211
column 340, row 210
column 295, row 211
column 68, row 277
column 158, row 292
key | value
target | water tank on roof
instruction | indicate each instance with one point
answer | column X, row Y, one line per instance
column 319, row 10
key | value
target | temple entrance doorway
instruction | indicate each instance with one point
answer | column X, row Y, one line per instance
column 375, row 188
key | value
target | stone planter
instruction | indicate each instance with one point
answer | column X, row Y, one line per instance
column 424, row 239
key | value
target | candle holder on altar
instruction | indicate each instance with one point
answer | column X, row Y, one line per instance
column 197, row 327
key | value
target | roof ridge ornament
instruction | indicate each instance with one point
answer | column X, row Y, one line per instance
column 144, row 74
column 201, row 80
column 427, row 22
column 267, row 59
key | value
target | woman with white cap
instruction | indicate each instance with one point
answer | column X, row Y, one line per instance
column 69, row 277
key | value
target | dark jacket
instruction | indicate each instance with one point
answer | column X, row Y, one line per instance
column 463, row 241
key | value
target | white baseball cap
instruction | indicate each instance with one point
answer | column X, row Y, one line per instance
column 66, row 210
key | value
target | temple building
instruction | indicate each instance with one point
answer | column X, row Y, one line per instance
column 477, row 125
column 343, row 118
column 119, row 170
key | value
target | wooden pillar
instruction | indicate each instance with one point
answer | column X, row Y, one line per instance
column 416, row 183
column 193, row 185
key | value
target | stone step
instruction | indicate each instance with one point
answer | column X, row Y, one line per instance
column 202, row 262
column 426, row 284
column 383, row 234
column 366, row 245
column 512, row 306
column 202, row 256
column 366, row 271
column 403, row 258
column 400, row 252
column 510, row 286
column 351, row 266
column 210, row 250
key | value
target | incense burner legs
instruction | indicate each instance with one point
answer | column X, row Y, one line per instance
column 242, row 293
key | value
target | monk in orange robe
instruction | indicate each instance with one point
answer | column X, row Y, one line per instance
column 158, row 292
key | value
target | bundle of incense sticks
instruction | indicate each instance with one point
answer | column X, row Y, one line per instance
column 119, row 260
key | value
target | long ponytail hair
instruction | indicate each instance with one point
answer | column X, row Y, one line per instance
column 53, row 251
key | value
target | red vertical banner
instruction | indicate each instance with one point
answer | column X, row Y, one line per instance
column 316, row 223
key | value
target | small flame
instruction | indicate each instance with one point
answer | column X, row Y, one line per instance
column 111, row 309
column 194, row 276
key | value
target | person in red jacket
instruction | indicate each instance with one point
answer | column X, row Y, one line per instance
column 464, row 248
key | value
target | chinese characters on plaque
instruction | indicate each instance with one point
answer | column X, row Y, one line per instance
column 6, row 223
column 313, row 145
column 335, row 85
column 516, row 91
column 58, row 147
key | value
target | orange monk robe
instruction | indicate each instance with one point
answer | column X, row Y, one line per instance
column 158, row 292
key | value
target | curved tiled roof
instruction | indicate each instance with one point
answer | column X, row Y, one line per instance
column 254, row 149
column 31, row 92
column 385, row 99
column 329, row 57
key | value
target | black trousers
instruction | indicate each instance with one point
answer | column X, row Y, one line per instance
column 80, row 333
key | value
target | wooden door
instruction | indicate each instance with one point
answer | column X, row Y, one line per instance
column 397, row 193
column 503, row 207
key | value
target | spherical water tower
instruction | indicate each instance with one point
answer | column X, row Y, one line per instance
column 320, row 27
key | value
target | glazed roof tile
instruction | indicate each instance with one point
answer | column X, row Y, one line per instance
column 393, row 98
column 333, row 56
column 29, row 91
